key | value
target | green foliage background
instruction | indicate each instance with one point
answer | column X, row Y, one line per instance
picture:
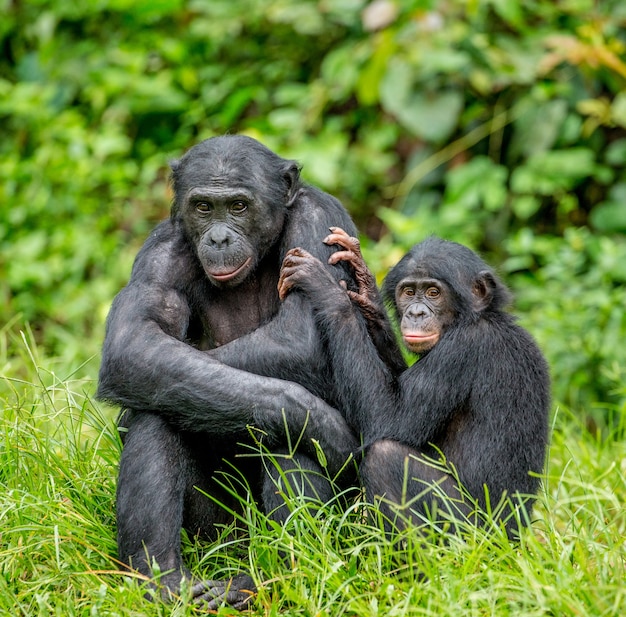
column 498, row 123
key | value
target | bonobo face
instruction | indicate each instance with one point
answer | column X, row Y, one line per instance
column 425, row 309
column 231, row 197
column 231, row 229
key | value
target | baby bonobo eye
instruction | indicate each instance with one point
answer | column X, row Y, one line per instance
column 433, row 292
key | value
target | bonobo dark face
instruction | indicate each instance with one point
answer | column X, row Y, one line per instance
column 423, row 305
column 222, row 218
column 232, row 196
column 438, row 285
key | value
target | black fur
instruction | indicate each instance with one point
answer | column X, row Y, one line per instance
column 479, row 395
column 197, row 348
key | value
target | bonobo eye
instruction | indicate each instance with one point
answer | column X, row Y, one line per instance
column 408, row 291
column 203, row 206
column 433, row 292
column 237, row 207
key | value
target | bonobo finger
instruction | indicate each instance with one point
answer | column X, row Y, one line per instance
column 362, row 301
column 292, row 256
column 339, row 231
column 297, row 252
column 341, row 238
column 341, row 256
column 216, row 597
column 289, row 277
column 285, row 282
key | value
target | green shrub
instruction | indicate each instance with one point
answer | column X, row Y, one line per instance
column 486, row 122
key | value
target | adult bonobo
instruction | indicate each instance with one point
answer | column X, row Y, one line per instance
column 475, row 405
column 197, row 348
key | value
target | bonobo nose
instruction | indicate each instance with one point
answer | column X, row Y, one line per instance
column 417, row 310
column 220, row 237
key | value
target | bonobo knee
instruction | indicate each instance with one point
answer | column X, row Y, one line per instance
column 382, row 468
column 295, row 475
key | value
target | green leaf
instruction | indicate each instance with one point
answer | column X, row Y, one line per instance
column 618, row 109
column 549, row 172
column 321, row 457
column 370, row 82
column 480, row 181
column 525, row 206
column 609, row 217
column 510, row 11
column 615, row 154
column 537, row 129
column 430, row 115
column 147, row 8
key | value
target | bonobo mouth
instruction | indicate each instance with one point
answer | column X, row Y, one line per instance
column 419, row 341
column 227, row 276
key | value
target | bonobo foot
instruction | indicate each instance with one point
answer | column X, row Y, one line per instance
column 238, row 592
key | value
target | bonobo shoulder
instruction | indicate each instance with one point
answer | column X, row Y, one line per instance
column 166, row 258
column 501, row 342
column 322, row 207
column 309, row 219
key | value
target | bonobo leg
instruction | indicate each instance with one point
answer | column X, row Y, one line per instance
column 292, row 475
column 156, row 497
column 150, row 496
column 284, row 475
column 407, row 488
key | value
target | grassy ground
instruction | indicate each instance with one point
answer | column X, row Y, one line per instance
column 58, row 457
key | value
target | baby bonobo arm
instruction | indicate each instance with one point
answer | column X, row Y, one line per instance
column 367, row 298
column 302, row 271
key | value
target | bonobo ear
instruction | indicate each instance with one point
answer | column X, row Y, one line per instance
column 483, row 290
column 291, row 174
column 175, row 167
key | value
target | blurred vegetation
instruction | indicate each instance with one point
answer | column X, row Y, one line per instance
column 497, row 123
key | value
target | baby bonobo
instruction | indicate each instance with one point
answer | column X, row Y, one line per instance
column 467, row 424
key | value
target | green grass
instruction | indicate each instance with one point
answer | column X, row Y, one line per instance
column 58, row 457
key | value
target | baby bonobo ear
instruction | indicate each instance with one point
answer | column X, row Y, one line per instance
column 483, row 290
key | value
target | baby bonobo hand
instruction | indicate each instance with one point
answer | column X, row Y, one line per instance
column 367, row 297
column 308, row 275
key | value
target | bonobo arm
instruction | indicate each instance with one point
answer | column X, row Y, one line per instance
column 365, row 384
column 433, row 389
column 411, row 407
column 290, row 346
column 147, row 366
column 367, row 298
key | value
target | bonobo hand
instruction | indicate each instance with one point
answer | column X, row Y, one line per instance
column 302, row 271
column 367, row 297
column 310, row 421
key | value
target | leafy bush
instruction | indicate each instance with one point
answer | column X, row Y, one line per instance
column 488, row 122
